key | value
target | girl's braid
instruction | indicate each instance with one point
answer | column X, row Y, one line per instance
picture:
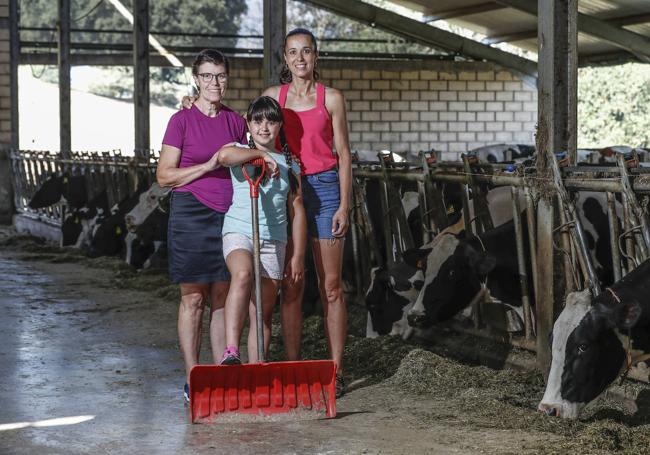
column 293, row 180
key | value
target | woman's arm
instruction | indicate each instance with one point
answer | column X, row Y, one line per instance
column 169, row 174
column 335, row 104
column 231, row 155
column 296, row 266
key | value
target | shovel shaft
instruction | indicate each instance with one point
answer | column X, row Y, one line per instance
column 259, row 315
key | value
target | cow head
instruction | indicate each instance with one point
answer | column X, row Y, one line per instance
column 71, row 228
column 71, row 188
column 390, row 291
column 587, row 350
column 453, row 272
column 148, row 201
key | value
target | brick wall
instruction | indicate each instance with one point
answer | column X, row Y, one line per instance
column 410, row 106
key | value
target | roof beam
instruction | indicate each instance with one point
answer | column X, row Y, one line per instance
column 424, row 34
column 463, row 11
column 639, row 45
column 530, row 34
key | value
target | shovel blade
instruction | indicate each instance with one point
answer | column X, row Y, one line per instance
column 263, row 389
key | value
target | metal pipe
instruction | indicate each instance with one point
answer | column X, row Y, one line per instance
column 521, row 262
column 532, row 238
column 613, row 236
column 568, row 260
column 630, row 249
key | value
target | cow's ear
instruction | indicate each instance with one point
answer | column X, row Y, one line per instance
column 480, row 261
column 621, row 314
column 416, row 257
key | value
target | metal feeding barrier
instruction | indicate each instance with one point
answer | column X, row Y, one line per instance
column 624, row 180
column 118, row 174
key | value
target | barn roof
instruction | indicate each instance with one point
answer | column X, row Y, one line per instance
column 610, row 31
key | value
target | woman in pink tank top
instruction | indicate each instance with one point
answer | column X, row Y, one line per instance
column 315, row 124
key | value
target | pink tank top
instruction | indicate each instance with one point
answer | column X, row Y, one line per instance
column 309, row 133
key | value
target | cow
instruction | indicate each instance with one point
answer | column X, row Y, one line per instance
column 108, row 235
column 79, row 224
column 456, row 268
column 498, row 153
column 393, row 291
column 153, row 199
column 147, row 226
column 589, row 342
column 70, row 188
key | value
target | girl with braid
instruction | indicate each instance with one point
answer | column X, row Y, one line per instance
column 279, row 203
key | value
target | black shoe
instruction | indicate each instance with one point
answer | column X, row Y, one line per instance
column 186, row 393
column 339, row 386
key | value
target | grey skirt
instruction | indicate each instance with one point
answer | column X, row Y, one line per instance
column 194, row 241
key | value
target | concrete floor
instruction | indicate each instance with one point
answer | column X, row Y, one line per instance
column 89, row 367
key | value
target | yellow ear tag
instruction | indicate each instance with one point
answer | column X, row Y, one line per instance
column 118, row 230
column 450, row 210
column 76, row 220
column 65, row 179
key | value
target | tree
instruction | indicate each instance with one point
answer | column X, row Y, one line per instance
column 187, row 16
column 614, row 106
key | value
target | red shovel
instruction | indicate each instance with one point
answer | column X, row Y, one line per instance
column 261, row 388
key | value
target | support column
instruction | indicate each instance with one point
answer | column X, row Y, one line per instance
column 275, row 25
column 557, row 37
column 141, row 76
column 65, row 128
column 8, row 102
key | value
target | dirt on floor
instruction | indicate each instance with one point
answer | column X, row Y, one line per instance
column 403, row 397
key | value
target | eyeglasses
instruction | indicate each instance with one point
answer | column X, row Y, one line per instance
column 208, row 77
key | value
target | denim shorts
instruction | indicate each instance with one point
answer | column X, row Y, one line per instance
column 321, row 196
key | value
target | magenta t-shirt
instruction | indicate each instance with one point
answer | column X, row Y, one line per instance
column 198, row 137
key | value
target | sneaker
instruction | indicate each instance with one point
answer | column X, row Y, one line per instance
column 231, row 357
column 339, row 386
column 186, row 393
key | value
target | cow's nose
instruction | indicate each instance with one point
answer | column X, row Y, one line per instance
column 549, row 409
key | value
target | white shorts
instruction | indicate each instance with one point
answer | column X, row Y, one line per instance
column 272, row 253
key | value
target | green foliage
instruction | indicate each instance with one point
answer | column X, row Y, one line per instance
column 614, row 106
column 187, row 16
column 327, row 25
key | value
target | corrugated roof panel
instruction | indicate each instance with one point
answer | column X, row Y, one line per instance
column 508, row 21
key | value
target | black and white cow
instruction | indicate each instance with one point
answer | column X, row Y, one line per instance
column 108, row 236
column 392, row 293
column 455, row 269
column 499, row 152
column 70, row 188
column 147, row 226
column 589, row 345
column 78, row 226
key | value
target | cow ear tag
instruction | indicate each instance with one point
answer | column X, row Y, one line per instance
column 76, row 220
column 65, row 179
column 118, row 230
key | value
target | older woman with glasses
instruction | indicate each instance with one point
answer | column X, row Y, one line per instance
column 202, row 193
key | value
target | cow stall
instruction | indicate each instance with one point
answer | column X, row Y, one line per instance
column 600, row 226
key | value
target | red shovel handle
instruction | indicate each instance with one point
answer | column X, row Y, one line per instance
column 254, row 184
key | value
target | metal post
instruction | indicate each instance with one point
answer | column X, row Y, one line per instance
column 557, row 38
column 65, row 128
column 275, row 25
column 521, row 262
column 614, row 232
column 568, row 253
column 532, row 237
column 141, row 77
column 639, row 213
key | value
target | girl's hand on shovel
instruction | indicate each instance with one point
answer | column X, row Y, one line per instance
column 272, row 168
